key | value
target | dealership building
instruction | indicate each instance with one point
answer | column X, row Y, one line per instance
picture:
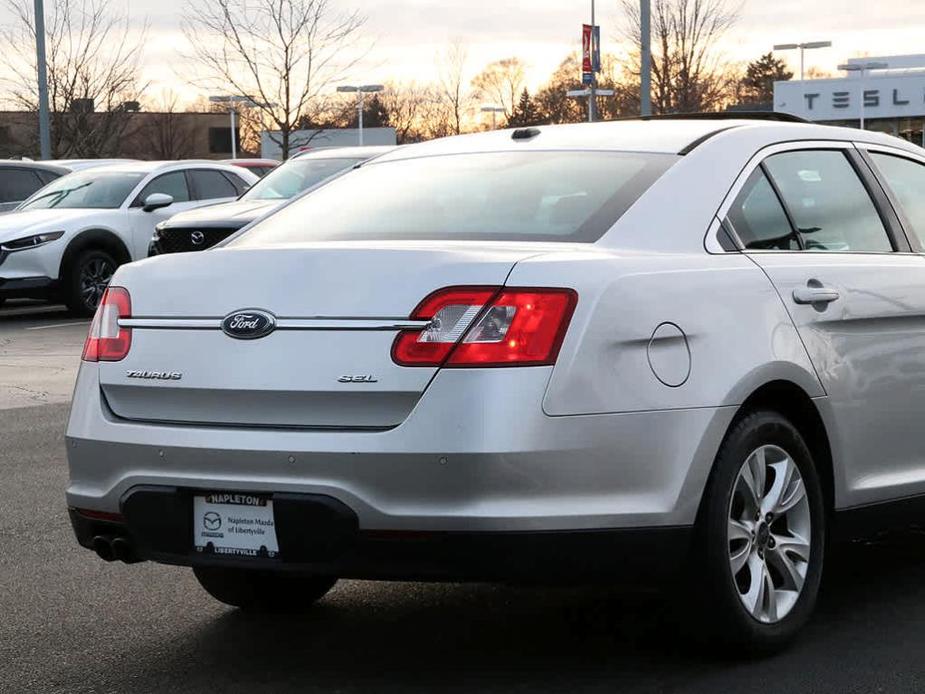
column 888, row 98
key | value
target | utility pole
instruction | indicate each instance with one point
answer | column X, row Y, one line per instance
column 645, row 52
column 593, row 86
column 42, row 70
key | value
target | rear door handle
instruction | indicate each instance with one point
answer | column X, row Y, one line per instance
column 812, row 294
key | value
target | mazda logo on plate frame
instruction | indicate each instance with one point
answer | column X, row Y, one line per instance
column 248, row 324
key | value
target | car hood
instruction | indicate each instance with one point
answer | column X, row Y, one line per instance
column 15, row 225
column 237, row 214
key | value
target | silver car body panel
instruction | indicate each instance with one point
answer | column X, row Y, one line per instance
column 669, row 338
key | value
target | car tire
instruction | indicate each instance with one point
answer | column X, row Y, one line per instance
column 755, row 580
column 263, row 591
column 86, row 279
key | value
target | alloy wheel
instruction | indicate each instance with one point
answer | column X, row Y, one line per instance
column 95, row 276
column 769, row 534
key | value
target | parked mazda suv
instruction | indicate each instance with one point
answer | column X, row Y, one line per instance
column 666, row 348
column 201, row 229
column 66, row 240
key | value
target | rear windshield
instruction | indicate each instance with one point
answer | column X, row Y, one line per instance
column 528, row 196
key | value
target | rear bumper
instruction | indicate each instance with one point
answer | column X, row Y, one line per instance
column 477, row 454
column 318, row 535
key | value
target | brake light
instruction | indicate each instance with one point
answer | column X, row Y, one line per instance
column 485, row 326
column 108, row 341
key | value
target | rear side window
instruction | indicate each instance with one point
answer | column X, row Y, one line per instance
column 47, row 176
column 172, row 184
column 18, row 184
column 212, row 184
column 906, row 178
column 758, row 218
column 829, row 205
column 529, row 196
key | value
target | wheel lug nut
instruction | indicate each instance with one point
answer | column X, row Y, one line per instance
column 769, row 517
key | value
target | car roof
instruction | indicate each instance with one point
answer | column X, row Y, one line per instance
column 28, row 164
column 248, row 163
column 148, row 167
column 670, row 136
column 364, row 152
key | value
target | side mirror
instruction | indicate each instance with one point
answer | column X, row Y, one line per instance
column 156, row 201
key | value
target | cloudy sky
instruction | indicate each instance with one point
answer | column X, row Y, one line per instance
column 408, row 34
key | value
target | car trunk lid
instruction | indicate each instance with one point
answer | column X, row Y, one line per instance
column 338, row 308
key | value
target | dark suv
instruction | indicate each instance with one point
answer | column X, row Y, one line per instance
column 20, row 179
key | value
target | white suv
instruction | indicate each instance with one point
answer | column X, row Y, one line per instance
column 67, row 240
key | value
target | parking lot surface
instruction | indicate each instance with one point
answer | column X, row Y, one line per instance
column 72, row 623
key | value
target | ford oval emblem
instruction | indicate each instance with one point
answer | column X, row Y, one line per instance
column 249, row 324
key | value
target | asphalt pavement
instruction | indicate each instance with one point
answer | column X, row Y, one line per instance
column 72, row 623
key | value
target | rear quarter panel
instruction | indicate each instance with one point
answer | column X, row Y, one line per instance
column 724, row 332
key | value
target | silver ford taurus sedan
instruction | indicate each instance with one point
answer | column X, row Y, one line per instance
column 615, row 351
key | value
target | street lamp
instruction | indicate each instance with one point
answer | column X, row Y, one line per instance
column 803, row 48
column 862, row 68
column 360, row 91
column 494, row 111
column 232, row 102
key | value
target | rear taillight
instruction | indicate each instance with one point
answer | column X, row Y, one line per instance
column 108, row 341
column 487, row 326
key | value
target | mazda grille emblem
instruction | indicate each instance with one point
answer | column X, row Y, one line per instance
column 249, row 324
column 198, row 238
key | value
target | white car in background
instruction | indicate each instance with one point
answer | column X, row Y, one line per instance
column 67, row 240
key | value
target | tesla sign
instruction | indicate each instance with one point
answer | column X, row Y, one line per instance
column 841, row 99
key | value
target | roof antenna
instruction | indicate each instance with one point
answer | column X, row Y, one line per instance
column 525, row 133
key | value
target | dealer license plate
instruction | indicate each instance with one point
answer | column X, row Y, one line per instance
column 234, row 523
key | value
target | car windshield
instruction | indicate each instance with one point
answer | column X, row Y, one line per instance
column 538, row 196
column 297, row 175
column 91, row 190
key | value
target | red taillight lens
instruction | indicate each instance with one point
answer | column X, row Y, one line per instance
column 523, row 327
column 488, row 327
column 450, row 312
column 108, row 341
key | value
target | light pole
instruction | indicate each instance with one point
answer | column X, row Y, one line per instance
column 803, row 48
column 593, row 84
column 360, row 91
column 42, row 74
column 232, row 102
column 588, row 94
column 494, row 111
column 645, row 52
column 862, row 68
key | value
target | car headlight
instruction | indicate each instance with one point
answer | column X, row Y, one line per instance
column 27, row 242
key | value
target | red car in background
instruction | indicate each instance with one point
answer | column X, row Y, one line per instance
column 259, row 167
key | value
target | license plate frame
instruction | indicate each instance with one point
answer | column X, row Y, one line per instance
column 234, row 524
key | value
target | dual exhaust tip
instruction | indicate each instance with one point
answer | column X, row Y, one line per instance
column 114, row 548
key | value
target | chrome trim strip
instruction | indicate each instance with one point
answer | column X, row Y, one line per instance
column 172, row 323
column 281, row 324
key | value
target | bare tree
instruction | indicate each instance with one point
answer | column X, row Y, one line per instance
column 688, row 73
column 501, row 83
column 165, row 132
column 284, row 54
column 452, row 85
column 405, row 105
column 93, row 66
